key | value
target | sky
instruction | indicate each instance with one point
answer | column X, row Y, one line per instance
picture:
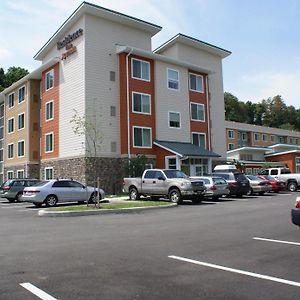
column 263, row 36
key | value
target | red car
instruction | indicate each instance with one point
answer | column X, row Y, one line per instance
column 277, row 185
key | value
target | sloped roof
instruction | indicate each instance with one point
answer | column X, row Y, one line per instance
column 185, row 149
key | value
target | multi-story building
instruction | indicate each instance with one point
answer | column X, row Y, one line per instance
column 167, row 104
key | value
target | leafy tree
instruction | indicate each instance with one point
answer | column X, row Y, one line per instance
column 14, row 74
column 2, row 80
column 234, row 109
column 135, row 166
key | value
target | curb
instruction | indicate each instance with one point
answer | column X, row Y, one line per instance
column 46, row 213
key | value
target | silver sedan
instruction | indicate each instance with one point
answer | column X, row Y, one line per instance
column 53, row 191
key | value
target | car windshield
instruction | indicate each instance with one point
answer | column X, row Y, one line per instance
column 240, row 176
column 174, row 174
column 7, row 183
column 252, row 177
column 285, row 171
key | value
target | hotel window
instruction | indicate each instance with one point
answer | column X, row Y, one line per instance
column 140, row 69
column 21, row 95
column 21, row 148
column 49, row 142
column 256, row 136
column 10, row 125
column 199, row 139
column 196, row 83
column 10, row 175
column 141, row 103
column 20, row 174
column 197, row 112
column 49, row 110
column 281, row 139
column 296, row 141
column 230, row 146
column 174, row 119
column 21, row 121
column 173, row 79
column 49, row 80
column 230, row 134
column 11, row 100
column 244, row 136
column 10, row 151
column 264, row 137
column 48, row 173
column 297, row 161
column 142, row 137
column 272, row 138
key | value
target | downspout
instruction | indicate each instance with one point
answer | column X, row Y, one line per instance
column 208, row 114
column 128, row 103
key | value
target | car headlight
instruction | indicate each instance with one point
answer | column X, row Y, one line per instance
column 186, row 184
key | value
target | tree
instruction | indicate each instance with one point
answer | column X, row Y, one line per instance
column 12, row 75
column 89, row 128
column 136, row 166
column 2, row 80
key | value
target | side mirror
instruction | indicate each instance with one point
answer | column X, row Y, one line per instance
column 161, row 178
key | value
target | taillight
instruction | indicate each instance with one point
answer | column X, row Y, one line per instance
column 233, row 183
column 31, row 191
column 213, row 188
column 6, row 188
column 297, row 204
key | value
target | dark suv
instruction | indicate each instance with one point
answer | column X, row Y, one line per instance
column 238, row 183
column 12, row 189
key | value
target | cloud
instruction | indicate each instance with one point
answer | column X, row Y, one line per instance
column 5, row 54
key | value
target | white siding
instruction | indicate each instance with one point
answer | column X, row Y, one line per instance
column 101, row 58
column 171, row 100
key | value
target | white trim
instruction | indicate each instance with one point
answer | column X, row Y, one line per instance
column 20, row 170
column 23, row 86
column 167, row 166
column 145, row 147
column 50, row 71
column 282, row 153
column 254, row 139
column 48, row 168
column 10, row 107
column 12, row 151
column 46, row 134
column 10, row 171
column 20, row 141
column 132, row 102
column 208, row 115
column 199, row 133
column 12, row 118
column 140, row 60
column 174, row 112
column 22, row 113
column 200, row 104
column 230, row 130
column 173, row 79
column 167, row 149
column 197, row 75
column 47, row 120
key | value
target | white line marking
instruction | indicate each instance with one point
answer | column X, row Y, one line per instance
column 36, row 291
column 284, row 281
column 276, row 241
column 210, row 202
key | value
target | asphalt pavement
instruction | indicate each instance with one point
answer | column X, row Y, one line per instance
column 231, row 249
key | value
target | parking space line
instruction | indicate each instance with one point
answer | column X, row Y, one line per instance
column 256, row 275
column 276, row 241
column 210, row 202
column 36, row 291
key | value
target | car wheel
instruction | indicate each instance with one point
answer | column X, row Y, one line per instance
column 175, row 196
column 261, row 193
column 19, row 196
column 51, row 200
column 292, row 186
column 37, row 204
column 215, row 198
column 197, row 200
column 11, row 200
column 250, row 192
column 133, row 194
column 241, row 195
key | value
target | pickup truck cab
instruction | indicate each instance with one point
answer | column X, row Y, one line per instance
column 292, row 180
column 170, row 183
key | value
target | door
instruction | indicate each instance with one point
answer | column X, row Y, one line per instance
column 78, row 191
column 63, row 190
column 151, row 183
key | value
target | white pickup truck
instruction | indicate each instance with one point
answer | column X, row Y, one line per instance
column 161, row 183
column 292, row 180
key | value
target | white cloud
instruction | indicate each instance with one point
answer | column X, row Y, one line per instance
column 5, row 54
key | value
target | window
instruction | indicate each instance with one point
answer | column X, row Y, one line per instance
column 264, row 137
column 49, row 142
column 256, row 136
column 297, row 160
column 244, row 156
column 10, row 151
column 61, row 184
column 244, row 136
column 174, row 119
column 21, row 121
column 296, row 141
column 49, row 110
column 199, row 139
column 173, row 79
column 142, row 137
column 11, row 100
column 281, row 139
column 197, row 112
column 21, row 148
column 10, row 175
column 49, row 80
column 20, row 174
column 21, row 94
column 113, row 111
column 48, row 173
column 230, row 146
column 113, row 147
column 140, row 69
column 141, row 103
column 112, row 76
column 171, row 162
column 196, row 83
column 230, row 134
column 10, row 125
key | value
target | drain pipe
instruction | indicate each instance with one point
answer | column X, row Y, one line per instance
column 128, row 103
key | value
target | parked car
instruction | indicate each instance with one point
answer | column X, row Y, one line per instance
column 63, row 190
column 12, row 189
column 295, row 213
column 216, row 187
column 277, row 185
column 258, row 185
column 160, row 183
column 237, row 182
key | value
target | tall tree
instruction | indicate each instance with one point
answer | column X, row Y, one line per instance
column 14, row 74
column 2, row 79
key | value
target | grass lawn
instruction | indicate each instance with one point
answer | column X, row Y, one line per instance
column 127, row 204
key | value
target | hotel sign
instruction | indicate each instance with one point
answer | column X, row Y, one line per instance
column 67, row 43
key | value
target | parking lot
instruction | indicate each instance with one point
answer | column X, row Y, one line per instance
column 235, row 248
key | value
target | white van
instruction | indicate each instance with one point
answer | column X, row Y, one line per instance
column 225, row 168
